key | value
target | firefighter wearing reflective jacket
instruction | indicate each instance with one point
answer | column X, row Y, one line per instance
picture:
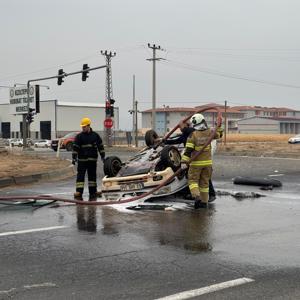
column 86, row 146
column 200, row 168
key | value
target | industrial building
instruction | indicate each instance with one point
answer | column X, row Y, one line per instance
column 269, row 125
column 55, row 119
column 168, row 117
column 262, row 111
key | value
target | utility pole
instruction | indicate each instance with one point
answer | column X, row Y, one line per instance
column 225, row 127
column 134, row 111
column 154, row 59
column 135, row 115
column 108, row 92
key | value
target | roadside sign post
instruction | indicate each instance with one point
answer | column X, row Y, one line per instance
column 108, row 123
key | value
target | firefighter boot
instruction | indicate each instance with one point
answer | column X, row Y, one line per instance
column 78, row 196
column 199, row 204
column 98, row 194
column 92, row 197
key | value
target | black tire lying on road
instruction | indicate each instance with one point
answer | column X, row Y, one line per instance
column 257, row 181
column 112, row 165
column 150, row 137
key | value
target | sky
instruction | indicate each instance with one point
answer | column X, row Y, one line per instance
column 244, row 52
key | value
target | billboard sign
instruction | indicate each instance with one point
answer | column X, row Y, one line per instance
column 18, row 99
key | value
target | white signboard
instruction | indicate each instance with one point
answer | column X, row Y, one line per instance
column 18, row 99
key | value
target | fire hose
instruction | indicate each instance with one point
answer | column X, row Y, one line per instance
column 81, row 202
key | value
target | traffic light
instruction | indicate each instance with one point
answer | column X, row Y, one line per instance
column 85, row 73
column 107, row 108
column 30, row 115
column 60, row 78
column 111, row 102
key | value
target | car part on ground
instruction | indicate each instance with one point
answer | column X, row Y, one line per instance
column 257, row 181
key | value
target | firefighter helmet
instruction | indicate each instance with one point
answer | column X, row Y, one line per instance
column 196, row 119
column 85, row 122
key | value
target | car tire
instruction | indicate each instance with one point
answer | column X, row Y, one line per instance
column 54, row 149
column 170, row 157
column 69, row 146
column 111, row 166
column 150, row 137
column 257, row 181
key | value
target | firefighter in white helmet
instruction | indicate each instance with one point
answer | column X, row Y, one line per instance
column 200, row 169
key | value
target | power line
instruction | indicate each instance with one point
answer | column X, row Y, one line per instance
column 19, row 75
column 226, row 75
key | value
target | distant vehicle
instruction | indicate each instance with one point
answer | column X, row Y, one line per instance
column 42, row 144
column 295, row 139
column 16, row 142
column 7, row 142
column 66, row 142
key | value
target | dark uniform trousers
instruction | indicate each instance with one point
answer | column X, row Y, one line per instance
column 89, row 166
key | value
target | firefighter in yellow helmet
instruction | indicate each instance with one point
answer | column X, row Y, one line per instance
column 86, row 146
column 200, row 169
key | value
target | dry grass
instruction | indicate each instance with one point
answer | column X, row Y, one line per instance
column 259, row 145
column 19, row 165
column 257, row 137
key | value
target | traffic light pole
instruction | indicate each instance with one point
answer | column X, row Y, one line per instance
column 26, row 125
column 109, row 92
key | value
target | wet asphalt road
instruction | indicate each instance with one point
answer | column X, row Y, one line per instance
column 104, row 253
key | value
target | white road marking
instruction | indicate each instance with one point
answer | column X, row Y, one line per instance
column 39, row 285
column 31, row 230
column 7, row 292
column 207, row 289
column 275, row 175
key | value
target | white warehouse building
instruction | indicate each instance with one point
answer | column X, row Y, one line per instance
column 55, row 119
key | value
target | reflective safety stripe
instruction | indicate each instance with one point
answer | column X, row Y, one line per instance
column 79, row 184
column 198, row 148
column 102, row 151
column 92, row 183
column 87, row 159
column 185, row 158
column 190, row 145
column 87, row 146
column 204, row 190
column 193, row 186
column 201, row 163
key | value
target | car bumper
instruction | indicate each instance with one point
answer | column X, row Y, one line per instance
column 119, row 188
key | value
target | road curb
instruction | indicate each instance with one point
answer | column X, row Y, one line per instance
column 15, row 180
column 6, row 181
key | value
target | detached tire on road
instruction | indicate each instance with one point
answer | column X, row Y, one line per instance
column 150, row 137
column 170, row 157
column 112, row 166
column 257, row 181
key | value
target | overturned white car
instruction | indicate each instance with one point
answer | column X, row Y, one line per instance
column 145, row 172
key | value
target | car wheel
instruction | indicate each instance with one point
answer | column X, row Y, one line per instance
column 69, row 146
column 54, row 149
column 170, row 157
column 150, row 137
column 112, row 166
column 257, row 181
